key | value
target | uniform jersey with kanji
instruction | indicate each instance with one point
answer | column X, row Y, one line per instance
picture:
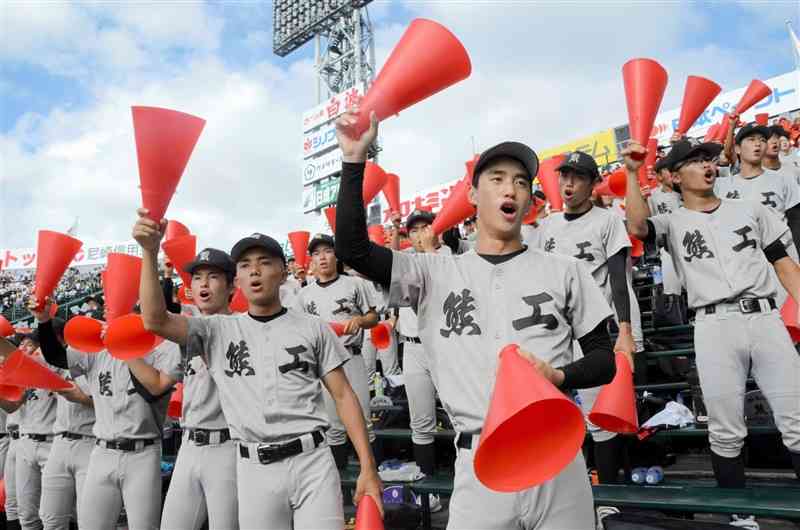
column 120, row 411
column 719, row 255
column 268, row 373
column 661, row 201
column 76, row 418
column 469, row 309
column 407, row 317
column 337, row 301
column 38, row 413
column 201, row 405
column 777, row 191
column 592, row 239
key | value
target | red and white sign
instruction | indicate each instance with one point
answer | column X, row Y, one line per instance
column 430, row 199
column 95, row 254
column 331, row 109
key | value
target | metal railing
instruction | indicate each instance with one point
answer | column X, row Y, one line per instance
column 18, row 314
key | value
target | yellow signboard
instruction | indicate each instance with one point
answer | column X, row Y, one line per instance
column 600, row 145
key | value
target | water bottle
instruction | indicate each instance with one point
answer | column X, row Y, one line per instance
column 638, row 475
column 654, row 475
column 377, row 384
column 658, row 277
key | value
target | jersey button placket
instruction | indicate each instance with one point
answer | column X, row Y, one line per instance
column 269, row 380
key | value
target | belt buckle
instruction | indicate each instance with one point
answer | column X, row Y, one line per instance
column 749, row 305
column 268, row 453
column 201, row 437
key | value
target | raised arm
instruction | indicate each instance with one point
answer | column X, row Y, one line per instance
column 153, row 380
column 156, row 318
column 636, row 210
column 53, row 351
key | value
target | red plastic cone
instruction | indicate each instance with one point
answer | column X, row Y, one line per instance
column 6, row 329
column 789, row 316
column 299, row 242
column 427, row 59
column 374, row 180
column 239, row 303
column 617, row 182
column 54, row 253
column 337, row 327
column 175, row 229
column 22, row 370
column 548, row 180
column 762, row 118
column 127, row 339
column 175, row 407
column 615, row 407
column 645, row 82
column 603, row 188
column 377, row 234
column 121, row 284
column 697, row 96
column 3, row 494
column 536, row 203
column 380, row 335
column 391, row 190
column 722, row 130
column 711, row 133
column 181, row 251
column 83, row 334
column 637, row 247
column 330, row 214
column 456, row 207
column 531, row 432
column 649, row 161
column 756, row 91
column 11, row 392
column 368, row 516
column 165, row 140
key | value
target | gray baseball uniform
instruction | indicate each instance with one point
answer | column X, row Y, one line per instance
column 339, row 301
column 36, row 419
column 117, row 476
column 289, row 290
column 203, row 484
column 65, row 472
column 369, row 352
column 719, row 258
column 272, row 394
column 773, row 189
column 10, row 467
column 661, row 202
column 4, row 438
column 468, row 310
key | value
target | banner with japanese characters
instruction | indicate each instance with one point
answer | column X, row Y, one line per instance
column 90, row 254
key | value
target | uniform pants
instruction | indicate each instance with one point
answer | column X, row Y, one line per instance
column 31, row 460
column 356, row 373
column 10, row 481
column 563, row 503
column 63, row 479
column 728, row 345
column 4, row 444
column 203, row 486
column 302, row 492
column 388, row 357
column 421, row 393
column 132, row 478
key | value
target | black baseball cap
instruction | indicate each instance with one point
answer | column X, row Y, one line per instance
column 777, row 130
column 516, row 150
column 751, row 129
column 688, row 148
column 417, row 216
column 580, row 162
column 212, row 257
column 257, row 240
column 660, row 164
column 320, row 239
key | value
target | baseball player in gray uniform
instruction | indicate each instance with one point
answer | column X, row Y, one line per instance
column 723, row 249
column 772, row 154
column 203, row 484
column 471, row 306
column 10, row 471
column 664, row 199
column 271, row 394
column 334, row 297
column 125, row 464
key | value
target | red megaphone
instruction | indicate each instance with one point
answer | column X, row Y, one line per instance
column 239, row 303
column 11, row 392
column 330, row 214
column 374, row 180
column 83, row 334
column 548, row 180
column 697, row 96
column 391, row 190
column 368, row 516
column 380, row 335
column 299, row 242
column 165, row 140
column 23, row 371
column 533, row 214
column 649, row 161
column 337, row 327
column 789, row 316
column 181, row 251
column 603, row 188
column 54, row 253
column 762, row 118
column 127, row 339
column 6, row 329
column 427, row 59
column 121, row 284
column 637, row 247
column 175, row 229
column 377, row 234
column 531, row 432
column 175, row 407
column 618, row 182
column 756, row 91
column 645, row 82
column 456, row 207
column 711, row 133
column 722, row 130
column 615, row 407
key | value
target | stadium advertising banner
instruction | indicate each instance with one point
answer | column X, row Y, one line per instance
column 94, row 254
column 600, row 145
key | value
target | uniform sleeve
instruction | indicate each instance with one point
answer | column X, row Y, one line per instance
column 659, row 223
column 587, row 306
column 770, row 225
column 78, row 363
column 167, row 359
column 367, row 300
column 615, row 237
column 201, row 333
column 297, row 303
column 791, row 191
column 331, row 354
column 410, row 277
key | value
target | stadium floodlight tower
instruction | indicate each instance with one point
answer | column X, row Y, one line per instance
column 344, row 49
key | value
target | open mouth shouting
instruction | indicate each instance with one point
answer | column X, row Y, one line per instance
column 204, row 295
column 509, row 211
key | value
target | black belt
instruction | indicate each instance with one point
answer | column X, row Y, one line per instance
column 746, row 305
column 203, row 436
column 269, row 453
column 464, row 441
column 72, row 436
column 14, row 435
column 415, row 340
column 355, row 350
column 38, row 437
column 124, row 445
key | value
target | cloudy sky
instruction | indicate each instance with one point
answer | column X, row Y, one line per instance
column 543, row 73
